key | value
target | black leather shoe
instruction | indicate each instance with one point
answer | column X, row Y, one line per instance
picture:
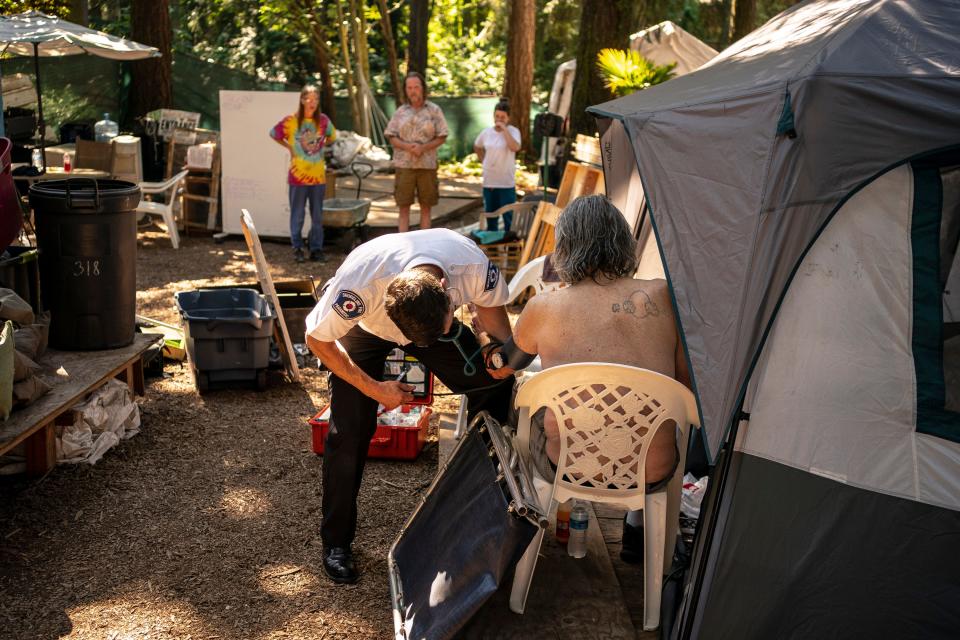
column 317, row 256
column 631, row 545
column 298, row 255
column 338, row 564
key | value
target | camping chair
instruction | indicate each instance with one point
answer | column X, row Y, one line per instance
column 607, row 415
column 93, row 155
column 506, row 255
column 170, row 189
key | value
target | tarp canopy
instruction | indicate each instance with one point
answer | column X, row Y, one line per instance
column 55, row 37
column 744, row 160
column 668, row 43
column 38, row 35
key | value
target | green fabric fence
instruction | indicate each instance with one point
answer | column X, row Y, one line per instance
column 82, row 88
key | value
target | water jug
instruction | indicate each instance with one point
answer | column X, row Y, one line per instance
column 105, row 130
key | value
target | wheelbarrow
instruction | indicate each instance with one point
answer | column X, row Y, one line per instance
column 350, row 213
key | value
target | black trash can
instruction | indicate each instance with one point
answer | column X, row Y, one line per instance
column 87, row 236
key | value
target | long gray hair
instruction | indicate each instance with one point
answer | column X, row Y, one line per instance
column 593, row 241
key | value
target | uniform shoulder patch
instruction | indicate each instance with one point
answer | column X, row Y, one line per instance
column 493, row 277
column 349, row 305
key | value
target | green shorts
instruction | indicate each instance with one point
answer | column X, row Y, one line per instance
column 422, row 182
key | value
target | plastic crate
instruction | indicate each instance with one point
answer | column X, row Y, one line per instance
column 227, row 335
column 20, row 271
column 297, row 299
column 391, row 441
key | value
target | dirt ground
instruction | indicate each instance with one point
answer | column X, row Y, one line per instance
column 206, row 524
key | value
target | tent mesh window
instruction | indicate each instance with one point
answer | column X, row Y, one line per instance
column 936, row 336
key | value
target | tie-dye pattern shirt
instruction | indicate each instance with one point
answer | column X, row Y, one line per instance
column 307, row 142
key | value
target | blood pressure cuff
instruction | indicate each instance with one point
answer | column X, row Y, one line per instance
column 515, row 357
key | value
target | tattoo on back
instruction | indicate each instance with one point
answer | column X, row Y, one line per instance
column 638, row 304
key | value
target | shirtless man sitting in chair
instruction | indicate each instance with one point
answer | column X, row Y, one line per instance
column 603, row 315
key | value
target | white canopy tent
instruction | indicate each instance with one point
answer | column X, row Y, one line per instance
column 37, row 34
column 663, row 43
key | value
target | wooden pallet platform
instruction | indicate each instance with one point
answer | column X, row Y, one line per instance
column 73, row 375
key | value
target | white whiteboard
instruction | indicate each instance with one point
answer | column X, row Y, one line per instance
column 254, row 166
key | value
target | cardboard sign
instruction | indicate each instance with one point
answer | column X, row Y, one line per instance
column 177, row 124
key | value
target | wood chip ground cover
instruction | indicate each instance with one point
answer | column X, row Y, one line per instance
column 206, row 524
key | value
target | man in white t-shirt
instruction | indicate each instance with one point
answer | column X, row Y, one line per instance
column 398, row 290
column 497, row 148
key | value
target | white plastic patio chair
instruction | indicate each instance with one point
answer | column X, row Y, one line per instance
column 169, row 189
column 607, row 415
column 530, row 275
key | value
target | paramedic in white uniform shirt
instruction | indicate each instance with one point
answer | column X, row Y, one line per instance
column 497, row 148
column 398, row 290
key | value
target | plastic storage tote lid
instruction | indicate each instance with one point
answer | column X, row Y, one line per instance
column 84, row 195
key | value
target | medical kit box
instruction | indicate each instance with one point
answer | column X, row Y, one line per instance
column 401, row 433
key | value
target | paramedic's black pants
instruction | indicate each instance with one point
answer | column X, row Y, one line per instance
column 353, row 417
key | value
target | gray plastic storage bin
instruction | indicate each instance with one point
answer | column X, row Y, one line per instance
column 227, row 334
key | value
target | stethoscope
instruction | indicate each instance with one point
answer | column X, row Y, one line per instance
column 469, row 369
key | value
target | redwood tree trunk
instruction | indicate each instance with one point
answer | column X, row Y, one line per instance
column 417, row 43
column 391, row 46
column 744, row 18
column 151, row 85
column 726, row 8
column 518, row 80
column 79, row 12
column 603, row 24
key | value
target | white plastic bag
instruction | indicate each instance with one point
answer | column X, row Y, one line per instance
column 692, row 495
column 108, row 416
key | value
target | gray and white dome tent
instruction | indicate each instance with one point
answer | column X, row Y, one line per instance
column 804, row 188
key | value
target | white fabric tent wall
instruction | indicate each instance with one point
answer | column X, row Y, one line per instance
column 828, row 394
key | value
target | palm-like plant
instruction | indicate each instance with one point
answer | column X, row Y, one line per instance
column 625, row 72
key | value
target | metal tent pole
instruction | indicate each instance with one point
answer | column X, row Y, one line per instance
column 41, row 125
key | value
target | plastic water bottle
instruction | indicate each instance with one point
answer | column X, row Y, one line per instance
column 36, row 158
column 579, row 520
column 105, row 130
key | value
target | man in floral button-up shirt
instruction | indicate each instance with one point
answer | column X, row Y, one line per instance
column 415, row 131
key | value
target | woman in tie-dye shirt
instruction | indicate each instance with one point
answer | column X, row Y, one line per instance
column 304, row 134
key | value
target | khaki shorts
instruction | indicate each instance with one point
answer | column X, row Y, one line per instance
column 423, row 182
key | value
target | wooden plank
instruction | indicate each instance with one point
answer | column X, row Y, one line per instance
column 579, row 179
column 384, row 212
column 540, row 240
column 41, row 449
column 569, row 598
column 630, row 576
column 266, row 284
column 72, row 375
column 382, row 184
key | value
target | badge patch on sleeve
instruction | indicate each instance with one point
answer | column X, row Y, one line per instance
column 348, row 305
column 493, row 277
